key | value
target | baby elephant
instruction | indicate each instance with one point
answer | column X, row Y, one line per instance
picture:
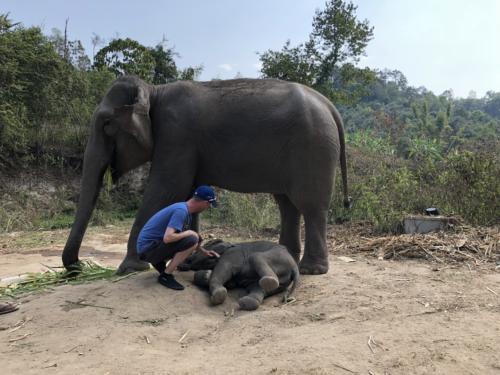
column 263, row 268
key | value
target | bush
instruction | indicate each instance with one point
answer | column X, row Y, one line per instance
column 385, row 189
column 252, row 211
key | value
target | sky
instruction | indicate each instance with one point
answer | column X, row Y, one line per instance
column 439, row 44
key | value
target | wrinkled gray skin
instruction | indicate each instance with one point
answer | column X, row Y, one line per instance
column 263, row 268
column 244, row 135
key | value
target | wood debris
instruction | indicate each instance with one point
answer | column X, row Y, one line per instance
column 463, row 244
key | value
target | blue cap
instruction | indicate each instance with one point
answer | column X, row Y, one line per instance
column 206, row 193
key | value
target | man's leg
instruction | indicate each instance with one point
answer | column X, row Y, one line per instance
column 178, row 259
column 182, row 249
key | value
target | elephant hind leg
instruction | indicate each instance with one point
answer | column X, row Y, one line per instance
column 268, row 278
column 315, row 259
column 253, row 299
column 290, row 225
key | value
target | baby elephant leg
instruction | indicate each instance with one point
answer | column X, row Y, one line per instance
column 254, row 298
column 202, row 278
column 268, row 278
column 220, row 275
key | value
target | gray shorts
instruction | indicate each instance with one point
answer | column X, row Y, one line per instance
column 165, row 251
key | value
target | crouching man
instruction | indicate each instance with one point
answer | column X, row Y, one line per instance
column 166, row 236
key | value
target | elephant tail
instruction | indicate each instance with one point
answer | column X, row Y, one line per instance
column 294, row 282
column 343, row 162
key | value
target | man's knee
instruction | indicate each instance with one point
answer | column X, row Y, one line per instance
column 188, row 242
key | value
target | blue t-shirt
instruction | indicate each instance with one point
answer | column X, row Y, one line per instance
column 175, row 216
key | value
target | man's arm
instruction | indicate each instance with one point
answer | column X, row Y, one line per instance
column 171, row 235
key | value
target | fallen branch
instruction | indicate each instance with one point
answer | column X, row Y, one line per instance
column 124, row 277
column 73, row 348
column 23, row 322
column 183, row 336
column 90, row 305
column 492, row 291
column 345, row 368
column 369, row 344
column 21, row 337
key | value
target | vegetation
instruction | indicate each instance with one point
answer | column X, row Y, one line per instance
column 408, row 148
column 36, row 282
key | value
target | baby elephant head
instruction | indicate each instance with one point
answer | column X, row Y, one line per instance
column 199, row 261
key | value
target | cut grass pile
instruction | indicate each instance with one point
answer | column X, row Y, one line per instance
column 35, row 282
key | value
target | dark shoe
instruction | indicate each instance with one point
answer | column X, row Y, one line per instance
column 169, row 281
column 7, row 308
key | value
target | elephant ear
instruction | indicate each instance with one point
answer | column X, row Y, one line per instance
column 134, row 120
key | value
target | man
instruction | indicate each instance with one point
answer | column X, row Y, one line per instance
column 166, row 235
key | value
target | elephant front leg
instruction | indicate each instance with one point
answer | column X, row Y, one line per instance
column 169, row 182
column 253, row 299
column 315, row 259
column 221, row 274
column 202, row 278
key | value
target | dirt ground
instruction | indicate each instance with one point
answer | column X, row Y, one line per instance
column 366, row 316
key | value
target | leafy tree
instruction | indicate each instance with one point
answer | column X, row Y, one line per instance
column 327, row 60
column 338, row 37
column 70, row 50
column 290, row 64
column 126, row 56
column 154, row 65
column 165, row 69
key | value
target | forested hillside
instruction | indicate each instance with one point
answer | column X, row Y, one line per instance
column 409, row 148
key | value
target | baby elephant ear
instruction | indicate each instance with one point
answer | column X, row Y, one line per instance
column 134, row 119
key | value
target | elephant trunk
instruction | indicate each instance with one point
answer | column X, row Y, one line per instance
column 93, row 171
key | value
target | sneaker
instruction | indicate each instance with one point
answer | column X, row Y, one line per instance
column 169, row 281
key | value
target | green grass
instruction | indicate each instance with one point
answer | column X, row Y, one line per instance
column 36, row 282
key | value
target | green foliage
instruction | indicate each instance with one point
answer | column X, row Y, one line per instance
column 290, row 64
column 471, row 186
column 385, row 188
column 165, row 69
column 36, row 282
column 154, row 65
column 327, row 61
column 367, row 140
column 48, row 90
column 252, row 211
column 126, row 57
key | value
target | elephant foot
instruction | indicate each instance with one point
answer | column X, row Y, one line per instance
column 73, row 270
column 269, row 283
column 312, row 268
column 248, row 303
column 130, row 265
column 218, row 296
column 201, row 278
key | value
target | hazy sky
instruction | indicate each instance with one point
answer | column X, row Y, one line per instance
column 439, row 44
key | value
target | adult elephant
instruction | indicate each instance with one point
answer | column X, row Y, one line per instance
column 244, row 135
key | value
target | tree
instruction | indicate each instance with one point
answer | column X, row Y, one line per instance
column 327, row 61
column 338, row 37
column 70, row 50
column 154, row 65
column 126, row 56
column 289, row 64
